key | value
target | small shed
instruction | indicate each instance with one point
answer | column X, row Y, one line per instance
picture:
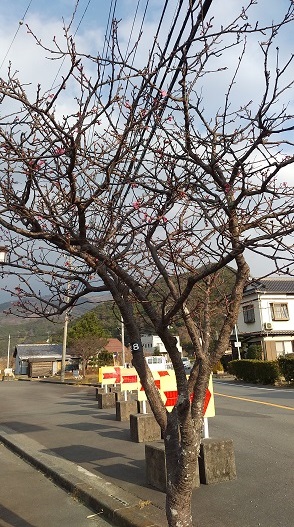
column 37, row 360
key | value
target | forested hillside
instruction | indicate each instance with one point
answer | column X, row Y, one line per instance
column 39, row 330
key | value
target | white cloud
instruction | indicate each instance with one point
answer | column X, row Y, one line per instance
column 33, row 67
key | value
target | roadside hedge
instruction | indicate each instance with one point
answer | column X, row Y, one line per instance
column 286, row 365
column 255, row 371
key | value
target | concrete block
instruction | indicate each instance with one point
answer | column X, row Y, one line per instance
column 144, row 427
column 216, row 461
column 156, row 467
column 98, row 390
column 120, row 396
column 106, row 400
column 124, row 409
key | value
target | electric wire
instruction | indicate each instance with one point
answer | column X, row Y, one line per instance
column 139, row 141
column 63, row 60
column 112, row 10
column 128, row 46
column 201, row 15
column 176, row 46
column 106, row 46
column 20, row 23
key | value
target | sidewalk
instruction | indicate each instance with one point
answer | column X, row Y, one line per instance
column 60, row 428
column 62, row 445
column 105, row 499
column 29, row 499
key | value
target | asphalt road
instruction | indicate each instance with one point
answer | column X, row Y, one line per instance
column 259, row 420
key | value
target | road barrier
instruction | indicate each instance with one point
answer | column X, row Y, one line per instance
column 128, row 380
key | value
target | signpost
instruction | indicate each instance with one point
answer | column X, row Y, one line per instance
column 237, row 343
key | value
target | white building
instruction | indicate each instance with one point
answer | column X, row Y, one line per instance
column 152, row 343
column 266, row 316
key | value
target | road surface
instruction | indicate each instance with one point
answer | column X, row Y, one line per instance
column 260, row 421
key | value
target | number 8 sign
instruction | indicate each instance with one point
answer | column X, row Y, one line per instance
column 136, row 347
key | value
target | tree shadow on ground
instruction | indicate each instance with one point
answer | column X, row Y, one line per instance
column 83, row 453
column 12, row 519
column 18, row 426
column 86, row 427
column 103, row 462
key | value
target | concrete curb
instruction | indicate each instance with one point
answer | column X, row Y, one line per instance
column 112, row 502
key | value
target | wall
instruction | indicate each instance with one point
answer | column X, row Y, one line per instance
column 263, row 313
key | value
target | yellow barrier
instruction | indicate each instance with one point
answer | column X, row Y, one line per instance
column 109, row 375
column 165, row 381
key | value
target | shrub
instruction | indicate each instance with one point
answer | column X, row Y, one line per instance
column 254, row 352
column 286, row 365
column 225, row 360
column 264, row 372
column 218, row 367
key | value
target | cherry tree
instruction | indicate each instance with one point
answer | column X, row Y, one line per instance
column 159, row 175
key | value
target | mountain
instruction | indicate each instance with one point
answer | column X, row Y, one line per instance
column 39, row 330
column 32, row 329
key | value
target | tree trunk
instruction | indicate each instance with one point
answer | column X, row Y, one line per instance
column 84, row 367
column 181, row 450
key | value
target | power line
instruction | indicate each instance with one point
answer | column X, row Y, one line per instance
column 172, row 30
column 134, row 165
column 188, row 42
column 106, row 45
column 20, row 23
column 128, row 45
column 77, row 28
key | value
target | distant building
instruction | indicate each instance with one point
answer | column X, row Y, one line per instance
column 114, row 346
column 153, row 343
column 37, row 360
column 266, row 316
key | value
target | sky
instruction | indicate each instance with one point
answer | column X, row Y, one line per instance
column 90, row 26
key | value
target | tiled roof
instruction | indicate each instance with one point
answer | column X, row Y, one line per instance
column 38, row 350
column 114, row 346
column 265, row 333
column 271, row 285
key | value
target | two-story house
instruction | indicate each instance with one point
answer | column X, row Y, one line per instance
column 266, row 316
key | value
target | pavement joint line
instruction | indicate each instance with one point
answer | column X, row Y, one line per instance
column 116, row 505
column 254, row 401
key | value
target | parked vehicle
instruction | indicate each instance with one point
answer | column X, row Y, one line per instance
column 156, row 362
column 187, row 364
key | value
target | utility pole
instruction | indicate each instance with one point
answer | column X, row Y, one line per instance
column 64, row 342
column 123, row 341
column 8, row 351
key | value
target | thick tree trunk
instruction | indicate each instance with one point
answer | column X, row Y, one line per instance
column 181, row 449
column 178, row 505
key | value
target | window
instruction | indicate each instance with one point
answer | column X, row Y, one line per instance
column 248, row 313
column 280, row 348
column 279, row 311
